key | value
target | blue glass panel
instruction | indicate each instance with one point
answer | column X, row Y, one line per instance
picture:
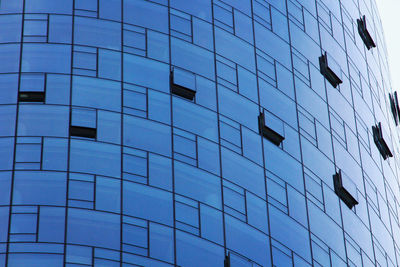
column 195, row 119
column 320, row 224
column 134, row 235
column 193, row 58
column 109, row 64
column 248, row 113
column 7, row 120
column 5, row 185
column 202, row 34
column 55, row 154
column 157, row 46
column 43, row 120
column 208, row 155
column 195, row 251
column 161, row 242
column 108, row 194
column 234, row 49
column 4, row 211
column 93, row 228
column 198, row 8
column 11, row 6
column 247, row 241
column 137, row 69
column 109, row 127
column 138, row 12
column 35, row 27
column 110, row 9
column 211, row 224
column 95, row 32
column 35, row 260
column 23, row 223
column 160, row 172
column 9, row 88
column 159, row 106
column 243, row 25
column 197, row 184
column 239, row 170
column 39, row 188
column 48, row 6
column 10, row 28
column 279, row 104
column 9, row 53
column 271, row 44
column 147, row 202
column 291, row 171
column 280, row 23
column 256, row 212
column 147, row 135
column 6, row 153
column 51, row 224
column 46, row 58
column 57, row 24
column 79, row 254
column 283, row 228
column 57, row 89
column 96, row 93
column 96, row 158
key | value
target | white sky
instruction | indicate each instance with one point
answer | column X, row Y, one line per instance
column 389, row 11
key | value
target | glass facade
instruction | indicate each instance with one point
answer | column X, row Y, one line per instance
column 197, row 133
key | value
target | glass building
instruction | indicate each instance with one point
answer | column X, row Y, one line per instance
column 197, row 133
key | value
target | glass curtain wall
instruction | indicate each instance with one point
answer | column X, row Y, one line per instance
column 197, row 133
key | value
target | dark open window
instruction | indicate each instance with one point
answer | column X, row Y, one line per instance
column 342, row 192
column 394, row 106
column 179, row 89
column 267, row 132
column 328, row 73
column 365, row 36
column 31, row 96
column 380, row 141
column 80, row 131
column 227, row 260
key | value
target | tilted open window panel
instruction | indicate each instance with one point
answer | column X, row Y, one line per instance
column 328, row 73
column 83, row 122
column 380, row 141
column 80, row 131
column 31, row 96
column 227, row 260
column 233, row 259
column 183, row 83
column 394, row 106
column 267, row 132
column 364, row 34
column 343, row 190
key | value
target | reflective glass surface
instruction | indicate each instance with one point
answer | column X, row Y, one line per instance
column 143, row 145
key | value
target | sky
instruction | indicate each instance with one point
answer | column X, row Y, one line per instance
column 389, row 12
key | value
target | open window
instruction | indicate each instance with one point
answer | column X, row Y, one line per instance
column 83, row 122
column 328, row 73
column 80, row 131
column 342, row 192
column 182, row 83
column 31, row 96
column 380, row 141
column 364, row 34
column 394, row 106
column 227, row 260
column 267, row 132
